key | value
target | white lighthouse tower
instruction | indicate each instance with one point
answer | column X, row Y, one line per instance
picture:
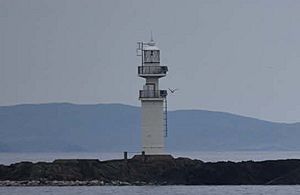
column 153, row 100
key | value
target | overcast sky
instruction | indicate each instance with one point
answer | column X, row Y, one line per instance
column 241, row 57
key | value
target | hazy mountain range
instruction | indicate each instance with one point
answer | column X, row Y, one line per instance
column 61, row 127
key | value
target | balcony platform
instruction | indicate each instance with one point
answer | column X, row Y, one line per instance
column 152, row 71
column 153, row 95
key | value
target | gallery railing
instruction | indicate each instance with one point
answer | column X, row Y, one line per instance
column 153, row 93
column 152, row 70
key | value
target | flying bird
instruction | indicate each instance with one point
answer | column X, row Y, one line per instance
column 173, row 90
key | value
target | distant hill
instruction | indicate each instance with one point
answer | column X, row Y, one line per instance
column 62, row 127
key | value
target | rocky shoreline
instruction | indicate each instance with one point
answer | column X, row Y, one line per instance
column 70, row 183
column 150, row 170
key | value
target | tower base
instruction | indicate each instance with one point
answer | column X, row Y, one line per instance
column 149, row 158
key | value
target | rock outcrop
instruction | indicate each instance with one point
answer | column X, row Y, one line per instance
column 151, row 170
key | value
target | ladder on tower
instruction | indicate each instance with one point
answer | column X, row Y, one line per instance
column 166, row 117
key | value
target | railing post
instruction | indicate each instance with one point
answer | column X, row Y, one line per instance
column 143, row 156
column 125, row 156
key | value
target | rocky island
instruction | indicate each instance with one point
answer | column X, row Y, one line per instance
column 150, row 170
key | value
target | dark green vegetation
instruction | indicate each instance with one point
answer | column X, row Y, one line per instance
column 115, row 127
column 156, row 171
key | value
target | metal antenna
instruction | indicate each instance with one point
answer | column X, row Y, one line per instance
column 151, row 40
column 140, row 50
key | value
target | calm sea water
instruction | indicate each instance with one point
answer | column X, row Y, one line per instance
column 8, row 158
column 157, row 190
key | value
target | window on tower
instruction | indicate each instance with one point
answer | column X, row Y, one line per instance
column 151, row 56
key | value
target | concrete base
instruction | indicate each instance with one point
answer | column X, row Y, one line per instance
column 147, row 158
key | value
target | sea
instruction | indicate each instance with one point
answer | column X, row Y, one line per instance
column 234, row 156
column 153, row 190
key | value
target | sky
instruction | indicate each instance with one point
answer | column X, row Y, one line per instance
column 241, row 57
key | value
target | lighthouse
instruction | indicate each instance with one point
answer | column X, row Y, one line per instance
column 153, row 99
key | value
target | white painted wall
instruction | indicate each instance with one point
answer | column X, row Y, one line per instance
column 153, row 80
column 153, row 127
